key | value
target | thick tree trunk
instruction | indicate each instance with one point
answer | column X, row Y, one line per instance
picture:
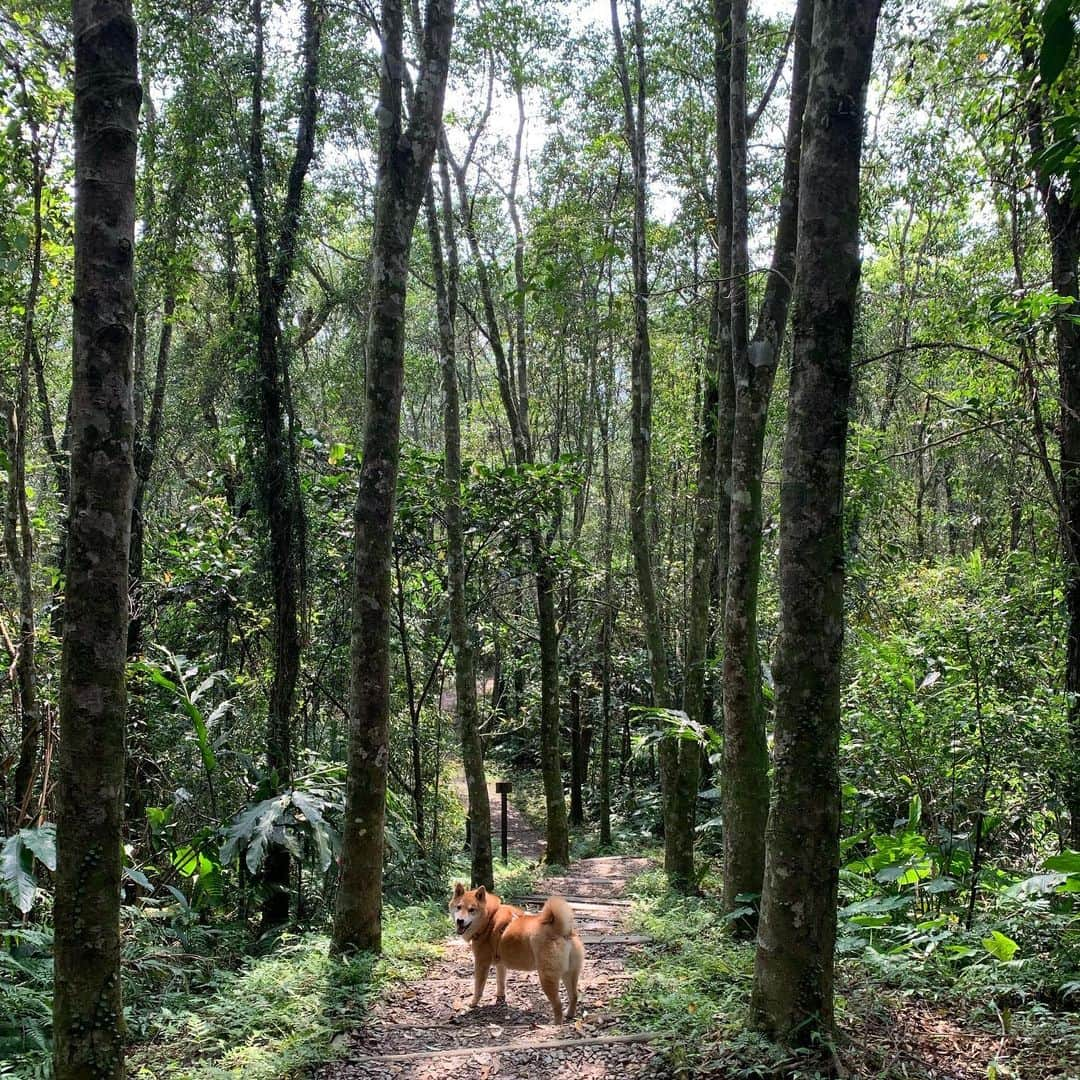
column 792, row 997
column 404, row 165
column 641, row 540
column 1063, row 226
column 1063, row 219
column 88, row 1022
column 468, row 716
column 276, row 461
column 745, row 778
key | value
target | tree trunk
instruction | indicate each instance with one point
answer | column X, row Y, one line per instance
column 1063, row 220
column 276, row 461
column 513, row 391
column 792, row 998
column 557, row 852
column 717, row 359
column 1063, row 226
column 578, row 749
column 404, row 163
column 641, row 418
column 88, row 1021
column 607, row 625
column 18, row 533
column 468, row 717
column 58, row 455
column 146, row 447
column 745, row 778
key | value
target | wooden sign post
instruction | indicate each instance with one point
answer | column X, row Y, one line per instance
column 504, row 787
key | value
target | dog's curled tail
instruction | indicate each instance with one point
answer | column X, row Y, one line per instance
column 557, row 913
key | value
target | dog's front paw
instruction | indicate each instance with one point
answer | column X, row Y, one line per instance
column 501, row 999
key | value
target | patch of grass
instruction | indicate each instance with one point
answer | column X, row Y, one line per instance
column 517, row 878
column 695, row 980
column 278, row 1014
column 910, row 1013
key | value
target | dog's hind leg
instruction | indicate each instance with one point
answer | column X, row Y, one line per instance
column 570, row 979
column 500, row 984
column 550, row 985
column 480, row 974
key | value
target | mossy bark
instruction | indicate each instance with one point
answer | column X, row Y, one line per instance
column 792, row 996
column 1062, row 215
column 404, row 163
column 18, row 530
column 276, row 465
column 745, row 777
column 88, row 1025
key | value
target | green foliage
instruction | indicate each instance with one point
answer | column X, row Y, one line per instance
column 1059, row 34
column 275, row 821
column 181, row 671
column 25, row 996
column 18, row 855
column 197, row 1007
column 277, row 1015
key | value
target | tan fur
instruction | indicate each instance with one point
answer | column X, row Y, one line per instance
column 509, row 938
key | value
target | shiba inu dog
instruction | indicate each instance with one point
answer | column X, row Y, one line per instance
column 510, row 938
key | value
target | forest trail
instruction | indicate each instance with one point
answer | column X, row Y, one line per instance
column 426, row 1031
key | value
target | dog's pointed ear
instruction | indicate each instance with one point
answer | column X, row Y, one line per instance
column 459, row 889
column 481, row 894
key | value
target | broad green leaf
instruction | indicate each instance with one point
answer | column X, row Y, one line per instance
column 42, row 842
column 138, row 877
column 1068, row 862
column 999, row 946
column 252, row 829
column 1058, row 36
column 940, row 885
column 914, row 815
column 16, row 872
column 319, row 829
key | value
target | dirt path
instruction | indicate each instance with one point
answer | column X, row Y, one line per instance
column 426, row 1031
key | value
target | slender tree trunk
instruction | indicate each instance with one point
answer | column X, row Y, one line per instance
column 513, row 391
column 18, row 533
column 792, row 997
column 745, row 779
column 88, row 1020
column 404, row 165
column 641, row 418
column 607, row 626
column 725, row 381
column 705, row 503
column 148, row 438
column 276, row 460
column 58, row 455
column 468, row 717
column 578, row 743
